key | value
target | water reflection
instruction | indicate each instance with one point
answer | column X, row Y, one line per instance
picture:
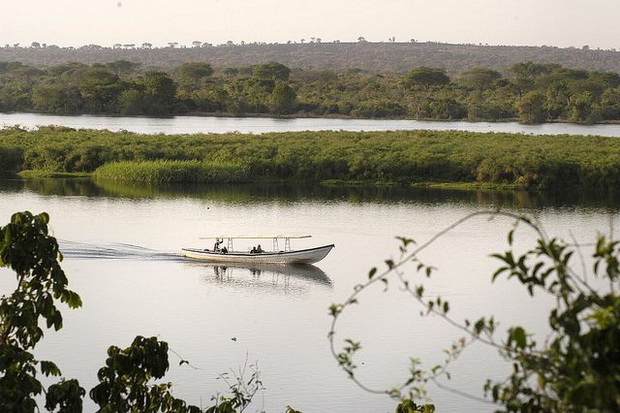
column 52, row 186
column 244, row 194
column 210, row 124
column 264, row 277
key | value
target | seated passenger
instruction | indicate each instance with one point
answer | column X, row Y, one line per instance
column 259, row 249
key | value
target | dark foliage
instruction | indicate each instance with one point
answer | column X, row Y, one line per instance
column 531, row 92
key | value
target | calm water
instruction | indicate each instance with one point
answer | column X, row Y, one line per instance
column 121, row 249
column 196, row 124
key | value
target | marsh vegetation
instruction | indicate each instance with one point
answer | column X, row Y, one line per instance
column 401, row 157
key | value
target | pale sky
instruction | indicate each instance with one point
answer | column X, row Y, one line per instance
column 560, row 23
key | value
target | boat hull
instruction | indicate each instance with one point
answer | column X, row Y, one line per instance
column 306, row 256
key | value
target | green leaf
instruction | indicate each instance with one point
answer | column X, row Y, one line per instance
column 517, row 336
column 405, row 241
column 479, row 326
column 385, row 281
column 49, row 368
column 335, row 309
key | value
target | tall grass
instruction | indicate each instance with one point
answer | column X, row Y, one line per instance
column 163, row 172
column 405, row 157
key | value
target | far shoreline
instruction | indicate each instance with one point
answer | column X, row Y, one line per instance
column 199, row 114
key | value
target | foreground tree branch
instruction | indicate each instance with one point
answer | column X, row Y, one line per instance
column 576, row 369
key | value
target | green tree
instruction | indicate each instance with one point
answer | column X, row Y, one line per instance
column 491, row 104
column 283, row 99
column 56, row 98
column 426, row 77
column 67, row 73
column 446, row 108
column 194, row 71
column 609, row 79
column 196, row 89
column 27, row 249
column 125, row 381
column 558, row 99
column 123, row 67
column 160, row 91
column 533, row 70
column 610, row 104
column 527, row 74
column 582, row 108
column 100, row 89
column 16, row 87
column 271, row 71
column 133, row 102
column 531, row 108
column 480, row 78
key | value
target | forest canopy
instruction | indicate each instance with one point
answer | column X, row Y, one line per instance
column 529, row 92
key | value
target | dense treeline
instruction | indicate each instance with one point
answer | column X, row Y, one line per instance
column 405, row 157
column 531, row 92
column 314, row 53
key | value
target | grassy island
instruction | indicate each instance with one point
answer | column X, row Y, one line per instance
column 401, row 157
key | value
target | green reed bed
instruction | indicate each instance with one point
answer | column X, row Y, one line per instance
column 405, row 157
column 163, row 172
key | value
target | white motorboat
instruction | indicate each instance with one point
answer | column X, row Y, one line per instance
column 258, row 256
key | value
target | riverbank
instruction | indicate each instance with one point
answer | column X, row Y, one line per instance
column 309, row 116
column 257, row 125
column 161, row 179
column 400, row 157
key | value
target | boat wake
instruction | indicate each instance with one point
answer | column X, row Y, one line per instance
column 83, row 250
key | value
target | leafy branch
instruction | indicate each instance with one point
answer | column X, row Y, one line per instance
column 581, row 314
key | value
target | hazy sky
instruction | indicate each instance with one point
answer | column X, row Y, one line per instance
column 513, row 22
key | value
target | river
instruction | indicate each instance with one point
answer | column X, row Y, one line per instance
column 121, row 247
column 198, row 124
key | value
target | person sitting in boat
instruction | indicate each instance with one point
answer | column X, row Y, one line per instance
column 224, row 250
column 253, row 250
column 259, row 249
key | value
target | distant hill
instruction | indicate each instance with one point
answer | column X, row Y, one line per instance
column 375, row 57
